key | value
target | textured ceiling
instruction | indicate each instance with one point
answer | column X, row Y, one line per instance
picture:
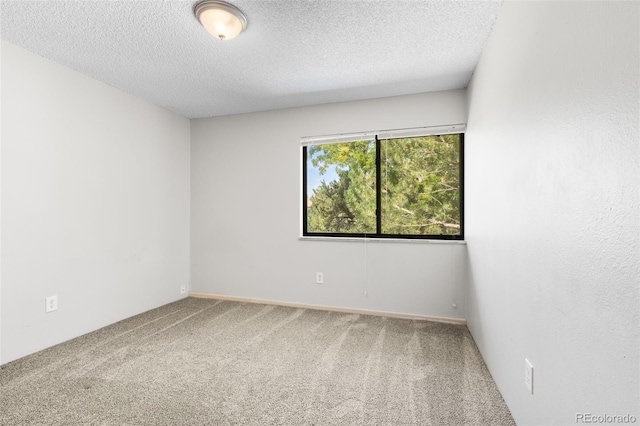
column 293, row 53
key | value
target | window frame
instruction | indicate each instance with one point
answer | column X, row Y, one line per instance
column 392, row 134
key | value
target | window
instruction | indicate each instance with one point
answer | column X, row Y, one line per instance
column 395, row 184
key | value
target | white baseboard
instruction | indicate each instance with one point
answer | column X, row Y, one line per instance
column 448, row 320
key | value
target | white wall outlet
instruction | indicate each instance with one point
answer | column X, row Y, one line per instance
column 183, row 289
column 319, row 278
column 51, row 304
column 528, row 375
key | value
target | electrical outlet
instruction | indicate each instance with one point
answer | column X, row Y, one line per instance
column 51, row 304
column 319, row 278
column 183, row 289
column 528, row 375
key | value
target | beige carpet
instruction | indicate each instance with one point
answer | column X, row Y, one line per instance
column 207, row 362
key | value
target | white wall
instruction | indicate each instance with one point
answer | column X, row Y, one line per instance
column 0, row 209
column 95, row 203
column 552, row 208
column 246, row 198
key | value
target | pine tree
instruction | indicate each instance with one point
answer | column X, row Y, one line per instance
column 419, row 186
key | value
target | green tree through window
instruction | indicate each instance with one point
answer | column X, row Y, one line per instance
column 403, row 187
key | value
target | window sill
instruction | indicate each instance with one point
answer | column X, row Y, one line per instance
column 382, row 240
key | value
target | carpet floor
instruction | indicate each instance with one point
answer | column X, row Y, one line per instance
column 210, row 362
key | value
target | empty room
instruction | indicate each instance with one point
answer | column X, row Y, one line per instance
column 319, row 212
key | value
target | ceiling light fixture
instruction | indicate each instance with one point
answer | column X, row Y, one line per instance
column 221, row 19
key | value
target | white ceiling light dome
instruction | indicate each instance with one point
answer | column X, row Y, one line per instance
column 221, row 19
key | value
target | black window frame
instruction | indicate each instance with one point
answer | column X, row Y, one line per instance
column 378, row 234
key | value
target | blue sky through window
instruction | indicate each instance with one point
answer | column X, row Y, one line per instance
column 314, row 178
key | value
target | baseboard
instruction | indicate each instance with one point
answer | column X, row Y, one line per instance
column 448, row 320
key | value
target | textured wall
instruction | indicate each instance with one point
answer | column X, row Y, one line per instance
column 246, row 200
column 95, row 203
column 553, row 208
